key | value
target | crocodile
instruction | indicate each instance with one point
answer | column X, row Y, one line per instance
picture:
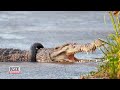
column 16, row 55
column 38, row 53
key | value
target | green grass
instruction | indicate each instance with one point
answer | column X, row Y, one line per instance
column 111, row 53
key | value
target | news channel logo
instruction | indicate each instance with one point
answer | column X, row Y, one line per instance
column 14, row 70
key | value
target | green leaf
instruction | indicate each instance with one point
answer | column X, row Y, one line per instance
column 105, row 20
column 113, row 22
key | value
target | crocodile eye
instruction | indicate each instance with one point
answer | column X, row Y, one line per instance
column 57, row 47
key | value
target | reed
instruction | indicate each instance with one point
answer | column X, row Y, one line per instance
column 111, row 52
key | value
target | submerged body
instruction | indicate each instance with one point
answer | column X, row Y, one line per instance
column 16, row 55
column 13, row 55
column 63, row 53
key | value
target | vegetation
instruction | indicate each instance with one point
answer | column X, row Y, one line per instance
column 110, row 69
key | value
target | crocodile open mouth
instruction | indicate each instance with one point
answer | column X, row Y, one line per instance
column 72, row 57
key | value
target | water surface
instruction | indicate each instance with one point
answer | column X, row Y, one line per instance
column 20, row 29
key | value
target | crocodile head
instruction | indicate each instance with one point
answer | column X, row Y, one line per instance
column 72, row 48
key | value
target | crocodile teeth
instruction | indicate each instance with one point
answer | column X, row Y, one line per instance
column 87, row 53
column 96, row 60
column 80, row 61
column 98, row 48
